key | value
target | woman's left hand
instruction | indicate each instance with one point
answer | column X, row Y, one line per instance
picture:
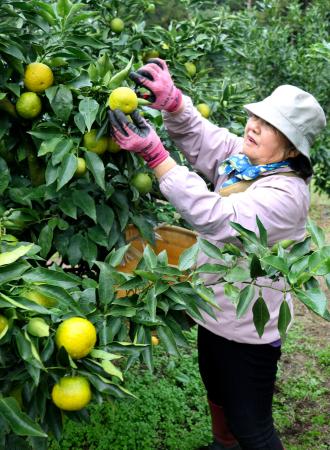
column 137, row 136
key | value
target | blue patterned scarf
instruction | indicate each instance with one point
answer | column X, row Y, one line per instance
column 241, row 168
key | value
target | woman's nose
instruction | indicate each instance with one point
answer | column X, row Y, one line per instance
column 254, row 124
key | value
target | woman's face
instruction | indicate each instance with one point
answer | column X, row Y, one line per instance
column 263, row 144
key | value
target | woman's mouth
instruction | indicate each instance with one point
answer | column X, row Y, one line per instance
column 250, row 139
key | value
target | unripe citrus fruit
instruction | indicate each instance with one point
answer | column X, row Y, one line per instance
column 28, row 105
column 190, row 68
column 38, row 77
column 154, row 340
column 204, row 109
column 3, row 325
column 94, row 145
column 39, row 298
column 142, row 182
column 123, row 98
column 117, row 25
column 113, row 147
column 151, row 8
column 153, row 53
column 77, row 335
column 38, row 327
column 81, row 167
column 72, row 393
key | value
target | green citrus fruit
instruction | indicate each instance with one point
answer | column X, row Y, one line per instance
column 153, row 53
column 38, row 77
column 72, row 393
column 191, row 69
column 94, row 145
column 123, row 98
column 28, row 105
column 77, row 335
column 117, row 25
column 151, row 8
column 81, row 167
column 204, row 109
column 113, row 147
column 38, row 327
column 142, row 182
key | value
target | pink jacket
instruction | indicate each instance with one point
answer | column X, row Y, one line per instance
column 280, row 202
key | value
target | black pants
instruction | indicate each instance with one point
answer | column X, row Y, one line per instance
column 241, row 378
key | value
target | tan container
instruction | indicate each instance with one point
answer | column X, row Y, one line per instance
column 171, row 238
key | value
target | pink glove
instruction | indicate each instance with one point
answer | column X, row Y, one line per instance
column 155, row 77
column 138, row 137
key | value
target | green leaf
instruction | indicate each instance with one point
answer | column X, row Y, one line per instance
column 13, row 272
column 84, row 201
column 245, row 233
column 14, row 255
column 19, row 422
column 149, row 257
column 52, row 277
column 96, row 167
column 105, row 217
column 262, row 232
column 167, row 339
column 45, row 238
column 255, row 267
column 49, row 145
column 260, row 315
column 245, row 298
column 317, row 234
column 67, row 170
column 314, row 299
column 88, row 108
column 115, row 257
column 63, row 7
column 237, row 274
column 188, row 257
column 61, row 150
column 277, row 262
column 212, row 268
column 284, row 319
column 4, row 176
column 151, row 302
column 210, row 249
column 119, row 77
column 106, row 282
column 61, row 101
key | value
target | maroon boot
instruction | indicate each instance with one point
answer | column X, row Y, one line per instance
column 223, row 438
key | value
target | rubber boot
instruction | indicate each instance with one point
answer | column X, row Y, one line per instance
column 223, row 438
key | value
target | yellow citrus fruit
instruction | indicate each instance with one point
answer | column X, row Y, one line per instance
column 113, row 147
column 38, row 77
column 204, row 109
column 191, row 69
column 77, row 335
column 39, row 298
column 123, row 98
column 72, row 393
column 154, row 340
column 117, row 25
column 94, row 145
column 28, row 105
column 81, row 167
column 142, row 182
column 3, row 324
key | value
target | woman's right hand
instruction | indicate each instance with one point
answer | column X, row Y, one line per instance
column 155, row 77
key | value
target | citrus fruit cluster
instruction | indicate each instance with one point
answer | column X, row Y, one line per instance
column 78, row 336
column 37, row 78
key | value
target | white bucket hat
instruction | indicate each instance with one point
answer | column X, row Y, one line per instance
column 296, row 113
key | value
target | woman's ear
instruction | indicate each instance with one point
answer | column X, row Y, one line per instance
column 292, row 153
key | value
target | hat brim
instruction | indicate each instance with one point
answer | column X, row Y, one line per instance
column 266, row 111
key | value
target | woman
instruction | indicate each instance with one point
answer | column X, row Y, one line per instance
column 238, row 367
